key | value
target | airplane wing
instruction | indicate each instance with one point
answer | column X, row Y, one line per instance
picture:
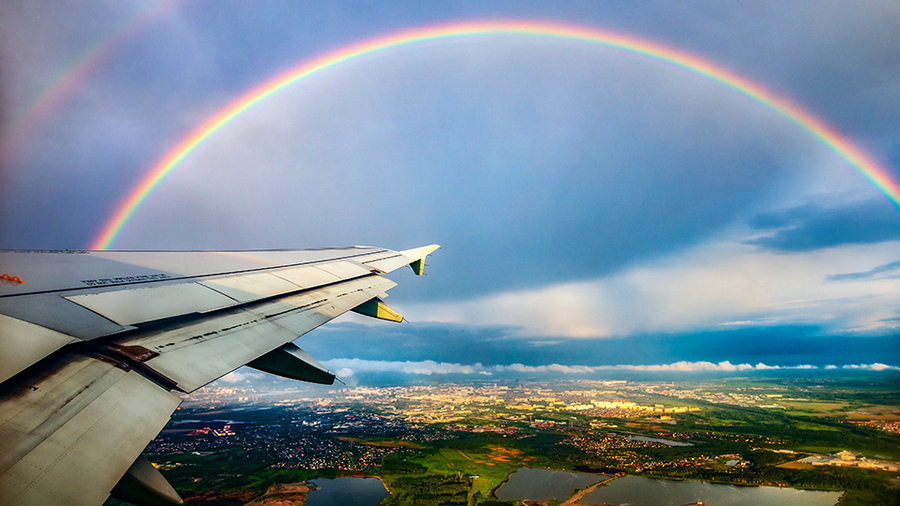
column 98, row 348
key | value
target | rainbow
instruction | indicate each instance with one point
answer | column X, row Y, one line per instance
column 821, row 131
column 75, row 75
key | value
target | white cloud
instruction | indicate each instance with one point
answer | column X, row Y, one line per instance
column 424, row 367
column 720, row 284
column 872, row 367
column 430, row 367
column 683, row 366
column 240, row 375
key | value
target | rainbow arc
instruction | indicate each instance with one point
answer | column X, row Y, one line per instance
column 817, row 128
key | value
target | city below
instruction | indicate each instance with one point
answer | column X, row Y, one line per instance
column 230, row 444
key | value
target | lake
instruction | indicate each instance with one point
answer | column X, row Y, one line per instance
column 544, row 484
column 347, row 490
column 655, row 440
column 640, row 491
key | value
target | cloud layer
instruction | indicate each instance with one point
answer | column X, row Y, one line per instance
column 724, row 284
column 353, row 366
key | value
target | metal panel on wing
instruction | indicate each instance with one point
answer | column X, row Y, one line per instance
column 24, row 343
column 249, row 287
column 59, row 314
column 345, row 269
column 138, row 305
column 306, row 277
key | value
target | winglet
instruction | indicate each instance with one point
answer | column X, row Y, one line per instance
column 417, row 256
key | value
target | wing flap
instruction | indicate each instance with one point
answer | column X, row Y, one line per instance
column 70, row 434
column 194, row 354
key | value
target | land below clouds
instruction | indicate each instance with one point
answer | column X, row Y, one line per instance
column 436, row 437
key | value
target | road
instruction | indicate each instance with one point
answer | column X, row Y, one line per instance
column 573, row 500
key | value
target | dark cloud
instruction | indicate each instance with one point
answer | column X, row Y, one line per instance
column 815, row 226
column 892, row 267
column 460, row 344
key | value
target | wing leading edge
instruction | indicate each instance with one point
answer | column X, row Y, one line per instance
column 99, row 348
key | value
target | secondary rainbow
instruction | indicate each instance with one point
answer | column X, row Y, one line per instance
column 75, row 76
column 876, row 174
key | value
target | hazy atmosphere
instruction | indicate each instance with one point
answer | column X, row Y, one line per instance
column 601, row 206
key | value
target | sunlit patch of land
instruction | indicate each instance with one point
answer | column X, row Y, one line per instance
column 283, row 494
column 505, row 455
column 874, row 412
column 795, row 464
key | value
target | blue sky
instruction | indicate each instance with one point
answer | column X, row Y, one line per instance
column 597, row 209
